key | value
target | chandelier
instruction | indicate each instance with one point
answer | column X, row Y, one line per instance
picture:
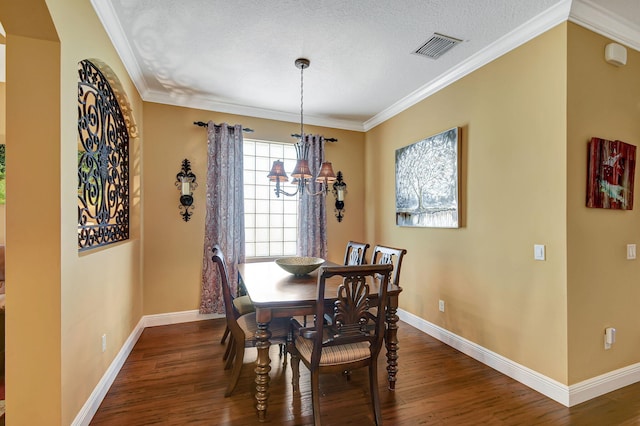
column 301, row 174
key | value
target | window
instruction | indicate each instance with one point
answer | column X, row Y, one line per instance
column 270, row 223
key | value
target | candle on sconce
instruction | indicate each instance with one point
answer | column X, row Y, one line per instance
column 186, row 190
column 340, row 194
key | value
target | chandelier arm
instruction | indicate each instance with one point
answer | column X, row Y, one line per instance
column 324, row 188
column 305, row 150
column 283, row 192
column 277, row 190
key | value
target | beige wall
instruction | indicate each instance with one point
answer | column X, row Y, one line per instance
column 59, row 303
column 3, row 120
column 603, row 288
column 173, row 248
column 33, row 280
column 513, row 118
column 3, row 137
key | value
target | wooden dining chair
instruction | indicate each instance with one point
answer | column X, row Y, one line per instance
column 348, row 343
column 355, row 253
column 242, row 328
column 383, row 255
column 241, row 305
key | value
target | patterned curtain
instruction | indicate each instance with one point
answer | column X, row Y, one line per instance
column 224, row 220
column 312, row 213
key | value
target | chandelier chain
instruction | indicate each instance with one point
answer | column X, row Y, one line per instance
column 301, row 102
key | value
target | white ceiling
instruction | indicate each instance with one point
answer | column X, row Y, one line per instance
column 238, row 56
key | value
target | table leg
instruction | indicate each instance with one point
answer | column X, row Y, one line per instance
column 262, row 369
column 391, row 341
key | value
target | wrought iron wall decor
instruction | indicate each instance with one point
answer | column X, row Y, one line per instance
column 103, row 162
column 186, row 183
column 339, row 190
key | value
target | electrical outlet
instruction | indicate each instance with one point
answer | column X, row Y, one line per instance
column 609, row 337
column 441, row 305
column 104, row 342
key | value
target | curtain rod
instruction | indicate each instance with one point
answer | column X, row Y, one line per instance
column 297, row 136
column 244, row 129
column 203, row 124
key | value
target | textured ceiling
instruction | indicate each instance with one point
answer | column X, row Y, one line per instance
column 238, row 56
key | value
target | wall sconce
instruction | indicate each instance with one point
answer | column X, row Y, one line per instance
column 186, row 183
column 339, row 190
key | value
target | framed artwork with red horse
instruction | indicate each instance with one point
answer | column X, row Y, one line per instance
column 611, row 170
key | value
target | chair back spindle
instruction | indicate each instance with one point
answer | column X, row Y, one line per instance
column 355, row 253
column 383, row 255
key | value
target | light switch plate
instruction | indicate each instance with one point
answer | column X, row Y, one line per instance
column 539, row 252
column 631, row 251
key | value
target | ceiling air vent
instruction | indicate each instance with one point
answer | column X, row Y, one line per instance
column 437, row 45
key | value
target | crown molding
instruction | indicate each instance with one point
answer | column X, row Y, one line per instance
column 205, row 103
column 593, row 17
column 525, row 32
column 109, row 20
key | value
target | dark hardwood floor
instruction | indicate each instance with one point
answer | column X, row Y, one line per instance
column 174, row 376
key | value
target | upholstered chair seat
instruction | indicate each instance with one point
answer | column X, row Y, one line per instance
column 332, row 355
column 243, row 305
column 248, row 324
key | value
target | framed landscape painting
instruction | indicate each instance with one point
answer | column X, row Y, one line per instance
column 610, row 174
column 427, row 175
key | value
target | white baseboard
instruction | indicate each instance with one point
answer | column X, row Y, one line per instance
column 177, row 318
column 565, row 395
column 605, row 383
column 95, row 399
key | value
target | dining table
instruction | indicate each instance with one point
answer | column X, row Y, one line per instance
column 276, row 293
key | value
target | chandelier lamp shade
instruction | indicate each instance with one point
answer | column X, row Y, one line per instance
column 301, row 175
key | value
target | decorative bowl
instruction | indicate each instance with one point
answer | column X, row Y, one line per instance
column 299, row 265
